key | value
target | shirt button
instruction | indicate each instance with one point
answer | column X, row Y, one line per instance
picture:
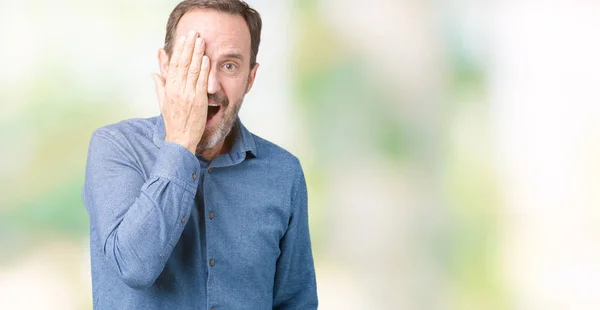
column 209, row 169
column 194, row 176
column 211, row 262
column 183, row 219
column 213, row 308
column 211, row 215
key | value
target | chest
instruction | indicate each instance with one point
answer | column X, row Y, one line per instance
column 242, row 214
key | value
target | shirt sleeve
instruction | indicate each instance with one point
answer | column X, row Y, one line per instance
column 295, row 283
column 135, row 221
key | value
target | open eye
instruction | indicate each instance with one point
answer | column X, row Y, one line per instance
column 230, row 66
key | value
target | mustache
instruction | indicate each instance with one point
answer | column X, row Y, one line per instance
column 218, row 99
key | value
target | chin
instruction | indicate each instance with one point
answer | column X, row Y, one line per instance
column 213, row 136
column 209, row 141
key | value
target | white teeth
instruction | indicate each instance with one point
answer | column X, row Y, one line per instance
column 213, row 105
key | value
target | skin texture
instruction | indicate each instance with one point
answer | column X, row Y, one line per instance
column 188, row 82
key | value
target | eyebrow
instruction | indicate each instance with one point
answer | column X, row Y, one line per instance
column 233, row 55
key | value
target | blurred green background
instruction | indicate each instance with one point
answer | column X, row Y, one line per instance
column 451, row 148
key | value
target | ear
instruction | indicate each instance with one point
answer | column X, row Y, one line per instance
column 163, row 62
column 251, row 77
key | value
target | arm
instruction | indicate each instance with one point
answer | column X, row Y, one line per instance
column 295, row 284
column 136, row 222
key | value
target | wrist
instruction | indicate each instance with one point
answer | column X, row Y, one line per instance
column 183, row 142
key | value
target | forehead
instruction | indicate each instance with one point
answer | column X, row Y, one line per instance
column 218, row 29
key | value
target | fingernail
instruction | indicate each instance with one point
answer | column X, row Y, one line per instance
column 192, row 33
column 182, row 39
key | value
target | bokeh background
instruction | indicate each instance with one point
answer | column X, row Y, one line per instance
column 451, row 148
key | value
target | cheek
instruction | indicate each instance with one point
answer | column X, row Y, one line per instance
column 235, row 87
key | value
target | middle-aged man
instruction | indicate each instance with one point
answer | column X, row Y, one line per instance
column 189, row 210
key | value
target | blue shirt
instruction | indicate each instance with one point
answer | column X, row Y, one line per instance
column 169, row 230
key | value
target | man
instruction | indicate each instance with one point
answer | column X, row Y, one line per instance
column 189, row 210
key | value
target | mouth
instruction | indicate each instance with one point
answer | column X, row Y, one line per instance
column 213, row 109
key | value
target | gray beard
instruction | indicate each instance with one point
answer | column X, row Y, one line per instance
column 222, row 131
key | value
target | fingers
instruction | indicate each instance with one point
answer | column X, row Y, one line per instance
column 195, row 66
column 202, row 84
column 177, row 49
column 159, row 84
column 185, row 59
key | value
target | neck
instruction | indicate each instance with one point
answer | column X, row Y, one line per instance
column 221, row 148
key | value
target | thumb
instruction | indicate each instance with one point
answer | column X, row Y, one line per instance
column 159, row 84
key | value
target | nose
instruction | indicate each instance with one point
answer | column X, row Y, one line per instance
column 214, row 85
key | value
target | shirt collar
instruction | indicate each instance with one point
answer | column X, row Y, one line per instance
column 243, row 144
column 244, row 140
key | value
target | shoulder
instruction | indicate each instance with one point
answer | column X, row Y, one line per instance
column 280, row 158
column 127, row 137
column 130, row 128
column 287, row 171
